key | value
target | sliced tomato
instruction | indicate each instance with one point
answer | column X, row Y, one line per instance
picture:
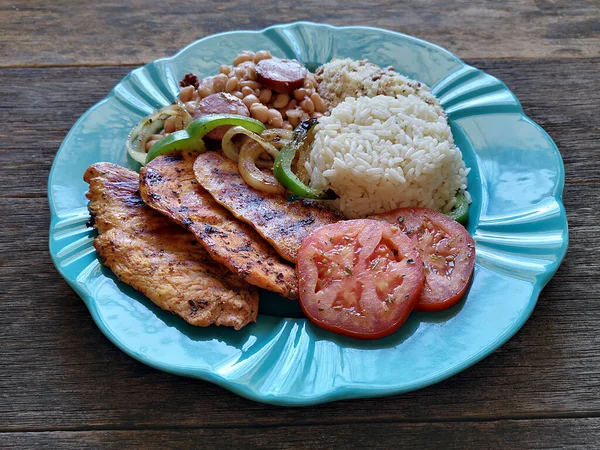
column 360, row 278
column 447, row 251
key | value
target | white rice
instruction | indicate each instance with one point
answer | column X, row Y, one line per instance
column 383, row 153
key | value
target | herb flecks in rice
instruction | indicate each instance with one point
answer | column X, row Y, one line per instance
column 382, row 153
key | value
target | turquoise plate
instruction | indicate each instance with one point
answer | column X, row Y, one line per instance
column 517, row 220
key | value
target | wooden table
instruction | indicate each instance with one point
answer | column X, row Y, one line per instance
column 64, row 385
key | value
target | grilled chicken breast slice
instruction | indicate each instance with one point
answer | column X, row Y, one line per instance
column 159, row 258
column 168, row 185
column 284, row 224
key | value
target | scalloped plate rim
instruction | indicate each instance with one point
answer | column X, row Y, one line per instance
column 347, row 391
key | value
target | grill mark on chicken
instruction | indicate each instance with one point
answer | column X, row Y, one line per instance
column 284, row 224
column 159, row 258
column 168, row 185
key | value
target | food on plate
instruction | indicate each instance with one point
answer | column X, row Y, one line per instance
column 281, row 75
column 190, row 139
column 220, row 103
column 447, row 251
column 295, row 150
column 168, row 185
column 265, row 162
column 382, row 153
column 360, row 278
column 160, row 259
column 343, row 78
column 282, row 222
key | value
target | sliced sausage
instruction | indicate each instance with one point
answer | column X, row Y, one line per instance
column 220, row 103
column 281, row 75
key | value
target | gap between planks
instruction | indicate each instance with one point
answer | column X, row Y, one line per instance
column 143, row 63
column 480, row 419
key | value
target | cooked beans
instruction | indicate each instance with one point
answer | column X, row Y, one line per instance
column 259, row 112
column 247, row 90
column 265, row 96
column 173, row 123
column 186, row 93
column 307, row 105
column 299, row 94
column 204, row 90
column 231, row 84
column 281, row 100
column 219, row 82
column 243, row 57
column 275, row 118
column 250, row 84
column 294, row 116
column 262, row 54
column 191, row 107
column 269, row 107
column 318, row 102
column 150, row 143
column 293, row 104
column 250, row 100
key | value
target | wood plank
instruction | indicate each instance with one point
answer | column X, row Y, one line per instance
column 37, row 32
column 558, row 94
column 59, row 372
column 505, row 434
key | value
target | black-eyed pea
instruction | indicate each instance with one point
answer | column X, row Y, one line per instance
column 231, row 84
column 191, row 106
column 186, row 93
column 249, row 83
column 300, row 93
column 294, row 116
column 204, row 90
column 275, row 118
column 173, row 123
column 307, row 105
column 318, row 102
column 281, row 100
column 250, row 100
column 150, row 143
column 260, row 112
column 262, row 54
column 247, row 90
column 219, row 82
column 243, row 57
column 240, row 73
column 265, row 96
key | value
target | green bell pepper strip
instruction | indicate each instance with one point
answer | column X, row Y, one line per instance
column 282, row 168
column 460, row 211
column 190, row 139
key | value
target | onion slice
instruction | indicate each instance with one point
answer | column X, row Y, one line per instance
column 136, row 141
column 233, row 153
column 252, row 175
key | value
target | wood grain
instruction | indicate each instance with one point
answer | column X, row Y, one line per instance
column 50, row 345
column 63, row 32
column 39, row 106
column 510, row 434
column 64, row 385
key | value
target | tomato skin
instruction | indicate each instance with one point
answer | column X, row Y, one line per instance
column 360, row 278
column 447, row 250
